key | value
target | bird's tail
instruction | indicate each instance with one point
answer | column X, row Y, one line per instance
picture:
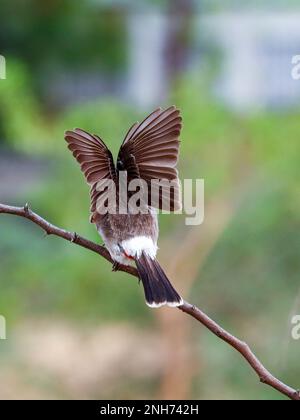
column 158, row 289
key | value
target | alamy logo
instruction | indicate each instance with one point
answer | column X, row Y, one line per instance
column 2, row 67
column 296, row 328
column 296, row 67
column 138, row 196
column 2, row 327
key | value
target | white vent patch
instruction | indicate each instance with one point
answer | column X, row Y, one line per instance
column 135, row 246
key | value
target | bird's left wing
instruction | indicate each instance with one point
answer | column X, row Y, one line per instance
column 94, row 157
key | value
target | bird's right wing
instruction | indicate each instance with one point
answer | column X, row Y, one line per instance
column 150, row 152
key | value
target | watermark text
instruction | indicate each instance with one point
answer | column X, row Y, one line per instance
column 296, row 67
column 2, row 67
column 138, row 196
column 2, row 328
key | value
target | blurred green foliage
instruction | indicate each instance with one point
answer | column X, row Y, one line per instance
column 50, row 35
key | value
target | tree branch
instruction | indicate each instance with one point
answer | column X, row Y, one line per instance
column 264, row 375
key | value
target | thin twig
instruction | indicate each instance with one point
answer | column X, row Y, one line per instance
column 62, row 233
column 264, row 375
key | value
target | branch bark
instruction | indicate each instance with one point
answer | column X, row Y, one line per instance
column 264, row 375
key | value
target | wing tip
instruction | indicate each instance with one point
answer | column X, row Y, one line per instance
column 70, row 133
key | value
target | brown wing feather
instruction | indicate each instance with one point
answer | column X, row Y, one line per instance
column 94, row 157
column 150, row 151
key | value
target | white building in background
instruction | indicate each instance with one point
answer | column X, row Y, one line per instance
column 147, row 79
column 255, row 48
column 257, row 51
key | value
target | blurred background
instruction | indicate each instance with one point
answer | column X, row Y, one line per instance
column 74, row 328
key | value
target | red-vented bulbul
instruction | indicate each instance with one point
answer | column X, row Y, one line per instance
column 149, row 152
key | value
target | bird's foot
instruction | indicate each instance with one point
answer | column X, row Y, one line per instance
column 116, row 266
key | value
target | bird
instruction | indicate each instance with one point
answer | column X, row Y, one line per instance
column 148, row 153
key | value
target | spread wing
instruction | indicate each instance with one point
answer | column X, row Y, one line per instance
column 95, row 160
column 150, row 152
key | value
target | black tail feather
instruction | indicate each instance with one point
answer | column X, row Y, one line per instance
column 158, row 289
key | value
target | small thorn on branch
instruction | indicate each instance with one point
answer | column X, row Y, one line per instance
column 26, row 208
column 74, row 237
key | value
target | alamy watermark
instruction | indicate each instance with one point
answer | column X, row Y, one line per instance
column 296, row 327
column 2, row 328
column 295, row 67
column 139, row 196
column 2, row 67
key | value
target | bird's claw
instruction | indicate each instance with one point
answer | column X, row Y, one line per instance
column 116, row 266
